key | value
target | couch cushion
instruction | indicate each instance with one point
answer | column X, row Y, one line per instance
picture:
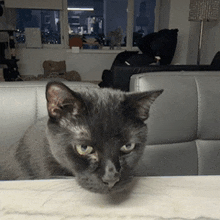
column 169, row 159
column 208, row 157
column 209, row 107
column 186, row 113
column 175, row 116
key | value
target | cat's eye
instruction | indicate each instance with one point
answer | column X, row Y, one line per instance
column 127, row 148
column 84, row 149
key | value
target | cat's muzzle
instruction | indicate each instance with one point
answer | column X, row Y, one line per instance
column 111, row 176
column 110, row 182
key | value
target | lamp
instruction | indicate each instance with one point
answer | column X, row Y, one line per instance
column 203, row 11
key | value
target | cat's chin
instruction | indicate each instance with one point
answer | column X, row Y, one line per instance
column 117, row 188
column 99, row 187
column 121, row 186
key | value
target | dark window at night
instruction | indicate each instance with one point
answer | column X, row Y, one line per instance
column 48, row 21
column 96, row 18
column 86, row 21
column 144, row 16
column 89, row 19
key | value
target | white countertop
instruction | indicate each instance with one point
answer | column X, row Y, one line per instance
column 151, row 198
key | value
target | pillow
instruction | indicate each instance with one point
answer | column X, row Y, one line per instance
column 54, row 66
column 122, row 57
column 161, row 43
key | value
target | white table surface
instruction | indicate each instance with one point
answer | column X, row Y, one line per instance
column 151, row 198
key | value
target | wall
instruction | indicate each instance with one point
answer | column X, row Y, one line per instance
column 211, row 42
column 89, row 65
column 174, row 14
column 164, row 14
column 179, row 13
column 193, row 43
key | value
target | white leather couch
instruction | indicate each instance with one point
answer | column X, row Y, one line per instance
column 184, row 123
column 21, row 104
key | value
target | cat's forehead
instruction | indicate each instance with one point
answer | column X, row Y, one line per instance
column 105, row 106
column 103, row 96
column 106, row 119
column 80, row 130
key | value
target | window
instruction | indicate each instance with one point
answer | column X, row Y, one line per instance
column 91, row 21
column 144, row 16
column 48, row 21
column 97, row 19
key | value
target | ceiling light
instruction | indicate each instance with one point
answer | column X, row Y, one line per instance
column 80, row 9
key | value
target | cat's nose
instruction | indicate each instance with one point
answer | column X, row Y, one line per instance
column 111, row 180
column 111, row 176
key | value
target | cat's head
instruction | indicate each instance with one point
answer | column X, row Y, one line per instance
column 98, row 135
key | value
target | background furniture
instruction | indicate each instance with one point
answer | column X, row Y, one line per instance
column 11, row 73
column 129, row 63
column 151, row 198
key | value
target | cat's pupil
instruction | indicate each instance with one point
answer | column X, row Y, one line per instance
column 129, row 146
column 84, row 150
column 84, row 147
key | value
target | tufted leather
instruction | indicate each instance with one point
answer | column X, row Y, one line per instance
column 184, row 123
column 22, row 103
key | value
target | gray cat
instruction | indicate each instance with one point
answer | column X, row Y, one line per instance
column 96, row 135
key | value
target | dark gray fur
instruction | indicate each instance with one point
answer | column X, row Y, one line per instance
column 105, row 119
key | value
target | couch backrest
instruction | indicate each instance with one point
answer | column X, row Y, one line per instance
column 184, row 123
column 22, row 103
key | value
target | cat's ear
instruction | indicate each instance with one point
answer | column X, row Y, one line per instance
column 138, row 104
column 62, row 100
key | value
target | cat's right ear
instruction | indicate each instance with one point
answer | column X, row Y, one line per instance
column 138, row 104
column 61, row 100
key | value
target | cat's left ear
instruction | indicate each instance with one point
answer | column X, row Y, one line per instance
column 138, row 104
column 62, row 100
